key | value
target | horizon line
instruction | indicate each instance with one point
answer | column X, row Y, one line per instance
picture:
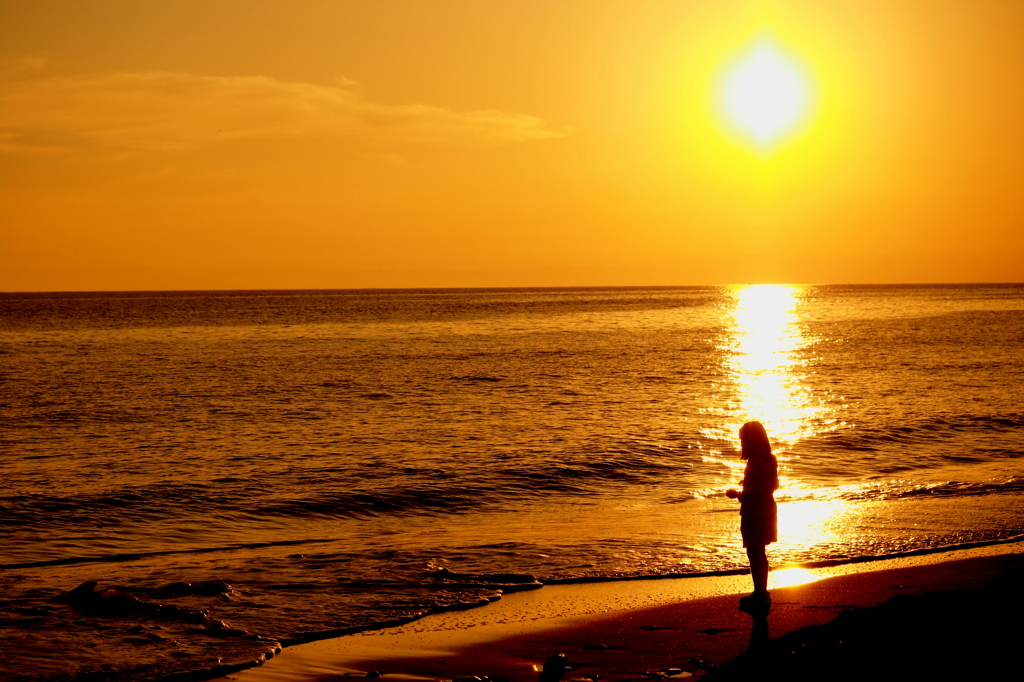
column 15, row 293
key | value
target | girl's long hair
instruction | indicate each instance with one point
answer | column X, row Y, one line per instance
column 754, row 440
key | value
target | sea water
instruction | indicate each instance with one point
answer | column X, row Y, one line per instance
column 295, row 463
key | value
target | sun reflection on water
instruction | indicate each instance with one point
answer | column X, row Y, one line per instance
column 763, row 347
column 788, row 577
column 805, row 521
column 765, row 381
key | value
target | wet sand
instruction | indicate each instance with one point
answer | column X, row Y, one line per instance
column 886, row 619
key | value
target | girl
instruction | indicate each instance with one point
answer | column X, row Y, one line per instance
column 758, row 516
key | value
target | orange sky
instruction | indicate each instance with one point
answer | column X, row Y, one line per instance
column 396, row 143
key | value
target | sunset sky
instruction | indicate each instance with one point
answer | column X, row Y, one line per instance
column 264, row 144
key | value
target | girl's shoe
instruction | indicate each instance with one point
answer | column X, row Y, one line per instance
column 756, row 604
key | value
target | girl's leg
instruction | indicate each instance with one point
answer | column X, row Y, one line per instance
column 758, row 568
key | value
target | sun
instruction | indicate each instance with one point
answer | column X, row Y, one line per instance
column 765, row 94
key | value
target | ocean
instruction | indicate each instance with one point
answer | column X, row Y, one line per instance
column 255, row 467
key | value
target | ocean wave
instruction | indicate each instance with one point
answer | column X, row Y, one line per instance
column 363, row 505
column 123, row 557
column 886, row 447
column 340, row 492
column 1012, row 485
column 889, row 490
column 923, row 429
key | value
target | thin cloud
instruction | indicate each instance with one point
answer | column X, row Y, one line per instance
column 17, row 66
column 171, row 112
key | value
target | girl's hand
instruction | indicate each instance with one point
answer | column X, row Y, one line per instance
column 731, row 493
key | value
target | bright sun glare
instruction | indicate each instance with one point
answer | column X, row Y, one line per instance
column 765, row 94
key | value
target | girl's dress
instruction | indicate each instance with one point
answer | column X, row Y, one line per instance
column 758, row 512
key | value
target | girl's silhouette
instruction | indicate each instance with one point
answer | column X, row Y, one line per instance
column 758, row 515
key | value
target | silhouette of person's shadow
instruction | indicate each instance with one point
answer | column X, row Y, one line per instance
column 757, row 607
column 758, row 631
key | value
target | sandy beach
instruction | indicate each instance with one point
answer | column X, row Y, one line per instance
column 691, row 627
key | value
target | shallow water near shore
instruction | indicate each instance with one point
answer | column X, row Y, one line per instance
column 310, row 461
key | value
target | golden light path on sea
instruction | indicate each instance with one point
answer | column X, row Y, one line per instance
column 765, row 372
column 766, row 338
column 763, row 379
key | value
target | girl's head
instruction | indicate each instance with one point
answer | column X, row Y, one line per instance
column 754, row 440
